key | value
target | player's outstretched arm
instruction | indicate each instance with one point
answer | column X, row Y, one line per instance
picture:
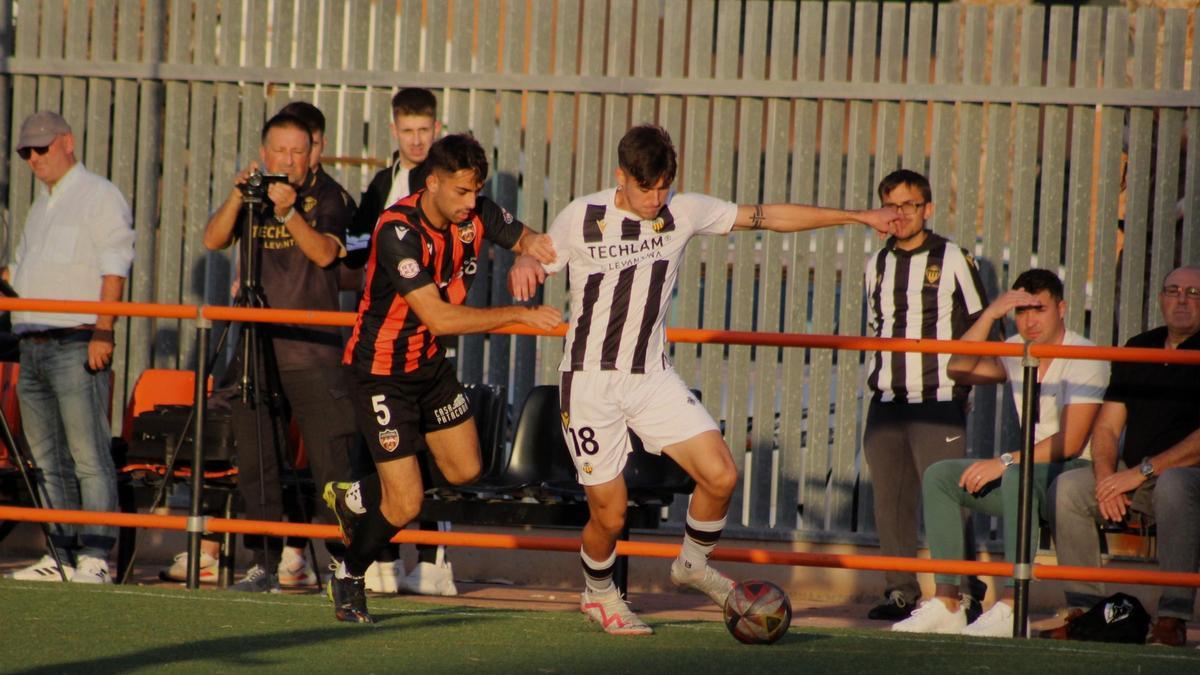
column 539, row 246
column 798, row 217
column 525, row 275
column 444, row 318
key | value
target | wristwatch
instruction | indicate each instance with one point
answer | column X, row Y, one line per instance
column 1146, row 468
column 1006, row 459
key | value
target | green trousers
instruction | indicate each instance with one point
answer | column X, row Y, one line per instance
column 944, row 501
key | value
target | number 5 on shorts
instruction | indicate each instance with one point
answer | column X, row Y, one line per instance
column 382, row 414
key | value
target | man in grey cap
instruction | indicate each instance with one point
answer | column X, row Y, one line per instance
column 77, row 245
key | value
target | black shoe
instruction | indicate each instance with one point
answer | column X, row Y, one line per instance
column 257, row 580
column 895, row 609
column 972, row 607
column 349, row 596
column 335, row 499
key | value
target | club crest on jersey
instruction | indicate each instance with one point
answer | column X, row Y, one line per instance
column 932, row 274
column 466, row 233
column 408, row 268
column 389, row 439
column 310, row 203
column 658, row 224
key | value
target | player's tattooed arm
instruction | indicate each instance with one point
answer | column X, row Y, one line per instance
column 757, row 219
column 799, row 217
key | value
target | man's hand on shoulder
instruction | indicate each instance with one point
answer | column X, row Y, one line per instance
column 542, row 317
column 524, row 277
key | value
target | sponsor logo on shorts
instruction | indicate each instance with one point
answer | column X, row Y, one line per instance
column 409, row 268
column 448, row 413
column 466, row 233
column 587, row 468
column 389, row 439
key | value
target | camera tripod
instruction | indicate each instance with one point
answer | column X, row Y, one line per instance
column 26, row 467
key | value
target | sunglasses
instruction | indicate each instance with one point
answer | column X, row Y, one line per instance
column 39, row 150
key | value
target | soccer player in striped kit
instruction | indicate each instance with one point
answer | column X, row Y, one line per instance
column 622, row 248
column 918, row 285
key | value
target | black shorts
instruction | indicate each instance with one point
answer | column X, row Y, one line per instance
column 395, row 412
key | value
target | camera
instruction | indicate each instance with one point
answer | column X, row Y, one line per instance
column 254, row 190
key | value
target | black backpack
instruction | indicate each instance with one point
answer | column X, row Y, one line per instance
column 1117, row 618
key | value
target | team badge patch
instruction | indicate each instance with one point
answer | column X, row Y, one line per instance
column 659, row 224
column 466, row 233
column 389, row 439
column 310, row 203
column 508, row 217
column 587, row 468
column 409, row 268
column 932, row 274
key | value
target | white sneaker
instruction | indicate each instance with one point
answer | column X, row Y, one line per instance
column 178, row 569
column 42, row 570
column 996, row 622
column 294, row 570
column 91, row 570
column 707, row 580
column 430, row 579
column 610, row 611
column 386, row 577
column 932, row 616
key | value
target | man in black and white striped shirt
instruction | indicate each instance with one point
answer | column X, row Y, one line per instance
column 622, row 249
column 919, row 285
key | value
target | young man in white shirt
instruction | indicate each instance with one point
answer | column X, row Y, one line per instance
column 1070, row 396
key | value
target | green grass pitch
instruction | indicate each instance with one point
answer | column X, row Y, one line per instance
column 56, row 628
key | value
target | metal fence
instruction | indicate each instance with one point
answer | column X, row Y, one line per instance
column 1054, row 137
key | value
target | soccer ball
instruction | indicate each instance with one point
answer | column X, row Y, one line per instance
column 757, row 612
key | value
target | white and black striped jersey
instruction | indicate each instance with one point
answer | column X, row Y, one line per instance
column 932, row 292
column 621, row 271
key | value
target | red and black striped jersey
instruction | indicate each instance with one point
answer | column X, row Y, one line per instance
column 408, row 253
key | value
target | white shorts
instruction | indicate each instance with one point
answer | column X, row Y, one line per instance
column 601, row 408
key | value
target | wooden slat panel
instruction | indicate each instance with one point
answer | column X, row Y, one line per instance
column 1190, row 243
column 282, row 35
column 533, row 197
column 168, row 268
column 815, row 495
column 754, row 497
column 1054, row 141
column 1137, row 184
column 6, row 120
column 471, row 363
column 50, row 46
column 765, row 482
column 20, row 189
column 355, row 101
column 559, row 178
column 588, row 145
column 458, row 105
column 333, row 56
column 100, row 90
column 1025, row 145
column 947, row 70
column 74, row 101
column 409, row 48
column 970, row 130
column 379, row 139
column 794, row 488
column 858, row 195
column 1079, row 200
column 616, row 107
column 998, row 154
column 920, row 39
column 1108, row 187
column 226, row 161
column 645, row 57
column 693, row 171
column 1168, row 140
column 674, row 33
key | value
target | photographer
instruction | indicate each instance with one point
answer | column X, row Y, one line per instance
column 298, row 239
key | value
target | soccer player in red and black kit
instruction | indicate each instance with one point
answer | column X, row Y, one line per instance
column 421, row 263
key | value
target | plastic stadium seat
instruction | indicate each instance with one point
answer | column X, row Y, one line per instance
column 537, row 437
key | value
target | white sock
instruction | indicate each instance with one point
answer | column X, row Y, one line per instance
column 699, row 539
column 354, row 499
column 597, row 574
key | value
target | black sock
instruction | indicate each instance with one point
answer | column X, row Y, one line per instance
column 371, row 491
column 428, row 553
column 370, row 535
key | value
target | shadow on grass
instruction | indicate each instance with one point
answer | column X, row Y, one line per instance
column 250, row 651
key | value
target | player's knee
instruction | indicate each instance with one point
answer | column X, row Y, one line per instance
column 611, row 521
column 722, row 482
column 400, row 509
column 461, row 475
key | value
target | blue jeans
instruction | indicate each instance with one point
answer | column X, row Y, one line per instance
column 64, row 413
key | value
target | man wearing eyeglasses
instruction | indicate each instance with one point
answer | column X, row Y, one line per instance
column 77, row 245
column 1157, row 407
column 919, row 285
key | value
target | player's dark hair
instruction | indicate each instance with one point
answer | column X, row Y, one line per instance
column 414, row 101
column 909, row 178
column 456, row 152
column 647, row 155
column 283, row 120
column 309, row 113
column 1035, row 281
